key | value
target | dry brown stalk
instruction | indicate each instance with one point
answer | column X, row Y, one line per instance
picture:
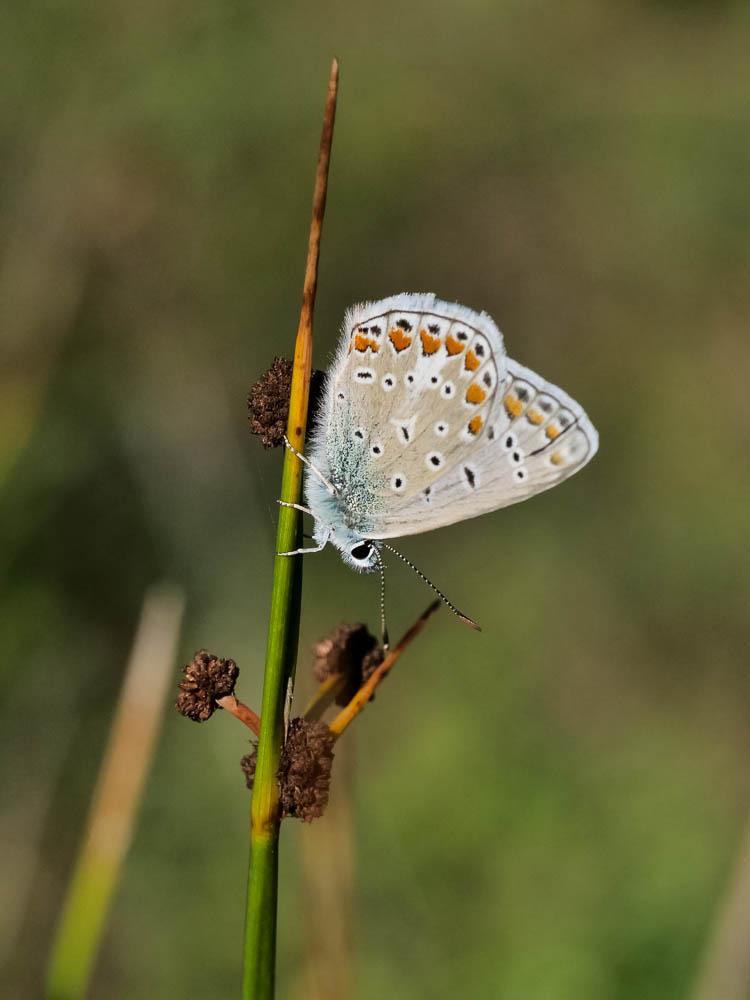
column 240, row 711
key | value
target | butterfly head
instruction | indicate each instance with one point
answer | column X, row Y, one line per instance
column 362, row 555
column 359, row 553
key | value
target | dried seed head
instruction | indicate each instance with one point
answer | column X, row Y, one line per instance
column 248, row 765
column 371, row 662
column 207, row 678
column 268, row 402
column 305, row 769
column 304, row 774
column 350, row 650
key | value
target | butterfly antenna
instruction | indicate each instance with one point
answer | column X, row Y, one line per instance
column 441, row 595
column 383, row 626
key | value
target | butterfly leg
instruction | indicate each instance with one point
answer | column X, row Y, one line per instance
column 294, row 506
column 329, row 486
column 304, row 552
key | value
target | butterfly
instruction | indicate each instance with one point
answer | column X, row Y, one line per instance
column 426, row 421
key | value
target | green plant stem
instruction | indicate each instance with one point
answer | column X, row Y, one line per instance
column 283, row 627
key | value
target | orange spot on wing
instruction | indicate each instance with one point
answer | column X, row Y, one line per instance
column 361, row 343
column 556, row 458
column 472, row 362
column 399, row 339
column 552, row 432
column 430, row 344
column 453, row 346
column 475, row 394
column 513, row 407
column 475, row 425
column 534, row 417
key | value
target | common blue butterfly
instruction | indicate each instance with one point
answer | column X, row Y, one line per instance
column 426, row 421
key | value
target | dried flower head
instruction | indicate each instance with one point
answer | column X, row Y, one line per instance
column 304, row 774
column 305, row 769
column 268, row 402
column 248, row 764
column 350, row 650
column 207, row 678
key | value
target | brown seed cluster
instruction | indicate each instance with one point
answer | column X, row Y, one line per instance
column 207, row 678
column 304, row 773
column 248, row 764
column 268, row 402
column 350, row 650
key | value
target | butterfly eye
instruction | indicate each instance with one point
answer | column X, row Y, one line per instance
column 361, row 551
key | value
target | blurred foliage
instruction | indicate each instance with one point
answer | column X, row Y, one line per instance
column 547, row 810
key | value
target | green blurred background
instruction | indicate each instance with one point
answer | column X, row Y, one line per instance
column 549, row 810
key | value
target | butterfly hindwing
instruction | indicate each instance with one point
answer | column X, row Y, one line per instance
column 537, row 437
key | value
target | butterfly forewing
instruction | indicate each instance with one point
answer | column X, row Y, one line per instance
column 411, row 391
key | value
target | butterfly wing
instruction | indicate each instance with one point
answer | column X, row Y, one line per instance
column 410, row 391
column 536, row 437
column 426, row 421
